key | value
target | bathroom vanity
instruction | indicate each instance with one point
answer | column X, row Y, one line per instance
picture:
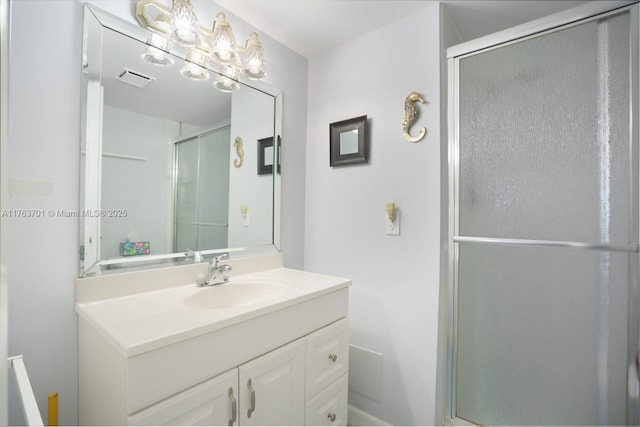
column 268, row 348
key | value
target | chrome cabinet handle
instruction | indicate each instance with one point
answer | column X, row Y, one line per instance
column 333, row 357
column 234, row 407
column 331, row 416
column 252, row 393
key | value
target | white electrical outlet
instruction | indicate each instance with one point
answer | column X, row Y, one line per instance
column 392, row 227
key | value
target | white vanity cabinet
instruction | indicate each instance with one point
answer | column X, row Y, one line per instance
column 151, row 359
column 268, row 390
column 301, row 383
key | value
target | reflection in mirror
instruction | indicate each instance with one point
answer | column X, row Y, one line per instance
column 349, row 142
column 157, row 164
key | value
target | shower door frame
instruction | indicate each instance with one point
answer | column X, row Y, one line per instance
column 449, row 280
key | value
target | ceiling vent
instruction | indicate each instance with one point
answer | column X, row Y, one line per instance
column 134, row 78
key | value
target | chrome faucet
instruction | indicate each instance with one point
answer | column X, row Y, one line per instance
column 193, row 256
column 216, row 274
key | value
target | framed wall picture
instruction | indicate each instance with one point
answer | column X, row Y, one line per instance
column 349, row 142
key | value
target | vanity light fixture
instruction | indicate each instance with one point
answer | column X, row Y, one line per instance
column 216, row 46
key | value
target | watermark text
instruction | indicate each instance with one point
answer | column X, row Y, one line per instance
column 64, row 213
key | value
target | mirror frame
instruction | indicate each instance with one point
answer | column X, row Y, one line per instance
column 93, row 19
column 338, row 128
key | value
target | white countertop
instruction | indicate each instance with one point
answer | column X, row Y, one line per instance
column 141, row 322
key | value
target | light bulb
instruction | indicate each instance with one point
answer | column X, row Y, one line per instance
column 184, row 24
column 156, row 53
column 223, row 42
column 253, row 65
column 227, row 79
column 195, row 66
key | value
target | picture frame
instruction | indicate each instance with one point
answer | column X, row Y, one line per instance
column 349, row 142
column 265, row 156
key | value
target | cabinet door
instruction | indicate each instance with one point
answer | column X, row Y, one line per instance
column 272, row 388
column 213, row 402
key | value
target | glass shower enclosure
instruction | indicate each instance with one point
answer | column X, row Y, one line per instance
column 543, row 244
column 201, row 197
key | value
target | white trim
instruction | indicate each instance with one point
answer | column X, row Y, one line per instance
column 538, row 25
column 4, row 121
column 458, row 422
column 358, row 417
column 29, row 405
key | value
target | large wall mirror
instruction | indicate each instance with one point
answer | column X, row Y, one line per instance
column 168, row 163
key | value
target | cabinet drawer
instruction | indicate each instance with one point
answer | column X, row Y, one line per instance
column 329, row 407
column 327, row 356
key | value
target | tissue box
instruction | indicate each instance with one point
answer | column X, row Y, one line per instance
column 134, row 248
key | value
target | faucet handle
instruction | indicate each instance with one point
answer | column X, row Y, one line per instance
column 215, row 261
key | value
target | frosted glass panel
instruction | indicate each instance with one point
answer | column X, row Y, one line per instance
column 545, row 154
column 202, row 197
column 541, row 336
column 544, row 137
column 186, row 195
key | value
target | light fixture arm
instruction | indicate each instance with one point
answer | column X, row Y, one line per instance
column 252, row 36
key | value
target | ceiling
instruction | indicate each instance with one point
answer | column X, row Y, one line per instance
column 306, row 26
column 310, row 27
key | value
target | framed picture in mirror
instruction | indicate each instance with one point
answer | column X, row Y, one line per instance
column 265, row 156
column 349, row 143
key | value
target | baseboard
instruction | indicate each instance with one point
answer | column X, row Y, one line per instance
column 358, row 417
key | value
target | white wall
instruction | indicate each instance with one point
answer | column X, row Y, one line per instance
column 134, row 134
column 44, row 105
column 4, row 117
column 394, row 297
column 42, row 256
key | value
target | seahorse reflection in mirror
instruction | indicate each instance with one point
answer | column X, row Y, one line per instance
column 411, row 114
column 239, row 151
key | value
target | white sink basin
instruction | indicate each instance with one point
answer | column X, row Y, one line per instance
column 236, row 294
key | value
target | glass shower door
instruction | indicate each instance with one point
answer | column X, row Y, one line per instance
column 202, row 191
column 545, row 228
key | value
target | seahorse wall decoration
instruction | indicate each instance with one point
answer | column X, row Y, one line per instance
column 411, row 114
column 239, row 151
